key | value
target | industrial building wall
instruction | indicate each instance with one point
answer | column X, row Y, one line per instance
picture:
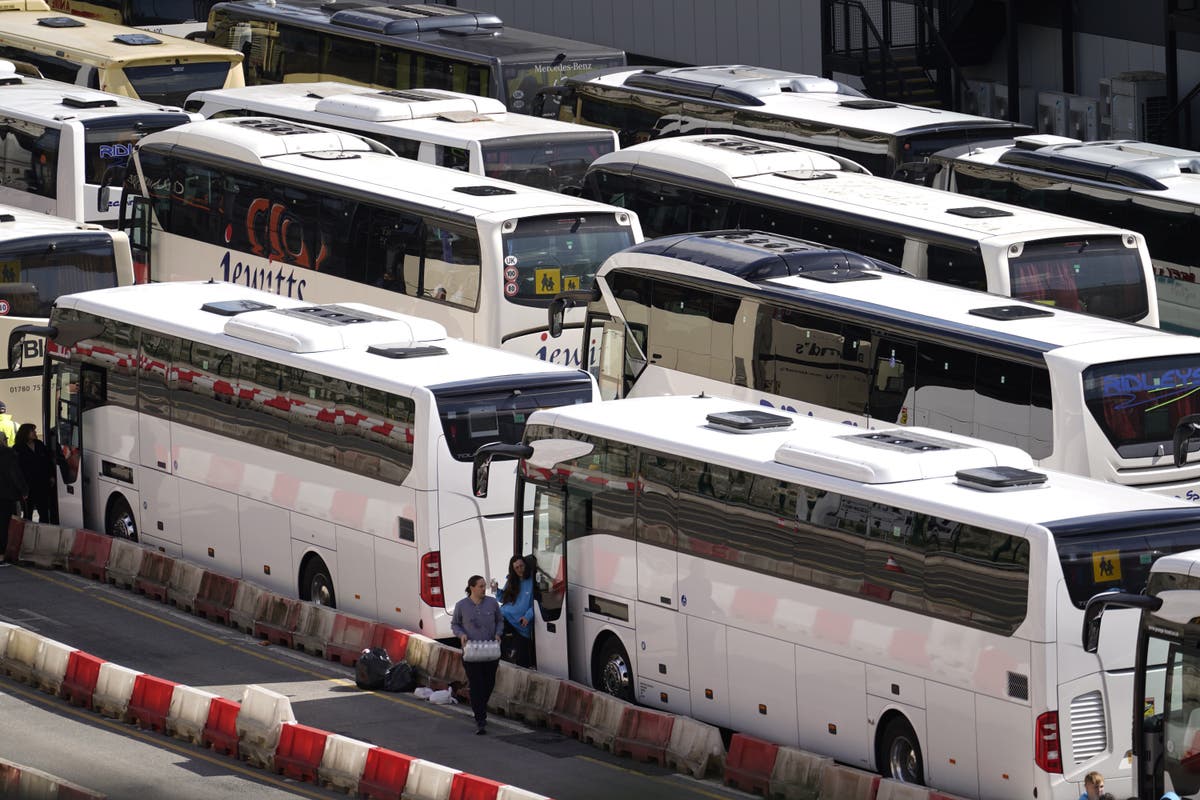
column 785, row 34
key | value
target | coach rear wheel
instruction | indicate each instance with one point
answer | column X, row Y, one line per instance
column 901, row 753
column 316, row 584
column 119, row 521
column 614, row 674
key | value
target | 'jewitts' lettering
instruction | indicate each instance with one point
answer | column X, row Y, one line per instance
column 270, row 278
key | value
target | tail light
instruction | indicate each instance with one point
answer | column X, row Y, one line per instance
column 431, row 580
column 141, row 270
column 1048, row 745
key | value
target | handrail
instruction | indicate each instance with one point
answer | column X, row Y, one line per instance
column 956, row 74
column 1170, row 116
column 868, row 25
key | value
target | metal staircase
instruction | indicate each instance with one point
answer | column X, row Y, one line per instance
column 911, row 51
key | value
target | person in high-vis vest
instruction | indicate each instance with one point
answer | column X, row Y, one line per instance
column 8, row 428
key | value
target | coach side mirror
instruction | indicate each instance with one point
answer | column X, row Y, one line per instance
column 1093, row 612
column 114, row 176
column 482, row 462
column 1187, row 427
column 558, row 310
column 16, row 342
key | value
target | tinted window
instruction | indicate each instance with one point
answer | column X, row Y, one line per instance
column 29, row 157
column 35, row 272
column 109, row 143
column 170, row 84
column 547, row 255
column 473, row 417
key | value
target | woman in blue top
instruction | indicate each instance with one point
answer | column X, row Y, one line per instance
column 516, row 604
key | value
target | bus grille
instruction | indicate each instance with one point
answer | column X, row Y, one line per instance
column 1089, row 734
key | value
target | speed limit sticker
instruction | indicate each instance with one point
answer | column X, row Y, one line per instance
column 510, row 273
column 4, row 307
column 510, row 289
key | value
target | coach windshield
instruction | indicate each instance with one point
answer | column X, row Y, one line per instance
column 544, row 256
column 1140, row 403
column 1097, row 275
column 553, row 162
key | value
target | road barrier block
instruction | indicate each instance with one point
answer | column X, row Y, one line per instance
column 445, row 666
column 572, row 705
column 419, row 652
column 215, row 597
column 79, row 683
column 124, row 561
column 515, row 793
column 385, row 774
column 299, row 751
column 749, row 764
column 248, row 604
column 46, row 546
column 188, row 713
column 114, row 687
column 510, row 684
column 797, row 774
column 889, row 789
column 344, row 762
column 604, row 720
column 50, row 667
column 394, row 640
column 6, row 629
column 428, row 781
column 16, row 537
column 18, row 782
column 534, row 702
column 220, row 730
column 153, row 575
column 465, row 786
column 313, row 628
column 643, row 734
column 21, row 655
column 89, row 555
column 262, row 715
column 348, row 638
column 150, row 702
column 695, row 748
column 277, row 619
column 184, row 584
column 848, row 783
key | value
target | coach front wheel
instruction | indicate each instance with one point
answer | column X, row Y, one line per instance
column 316, row 584
column 119, row 521
column 900, row 753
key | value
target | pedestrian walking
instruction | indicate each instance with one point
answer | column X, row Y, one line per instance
column 478, row 623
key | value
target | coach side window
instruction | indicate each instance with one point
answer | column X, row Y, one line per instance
column 945, row 397
column 155, row 372
column 30, row 157
column 194, row 214
column 451, row 266
column 657, row 499
column 349, row 59
column 956, row 267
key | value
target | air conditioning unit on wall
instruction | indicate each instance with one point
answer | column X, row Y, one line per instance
column 1133, row 105
column 1083, row 118
column 1052, row 113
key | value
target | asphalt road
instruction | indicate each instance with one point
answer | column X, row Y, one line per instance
column 46, row 733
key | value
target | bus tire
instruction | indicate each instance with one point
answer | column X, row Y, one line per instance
column 899, row 755
column 119, row 521
column 613, row 672
column 316, row 584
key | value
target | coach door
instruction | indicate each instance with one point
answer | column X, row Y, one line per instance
column 546, row 540
column 64, row 436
